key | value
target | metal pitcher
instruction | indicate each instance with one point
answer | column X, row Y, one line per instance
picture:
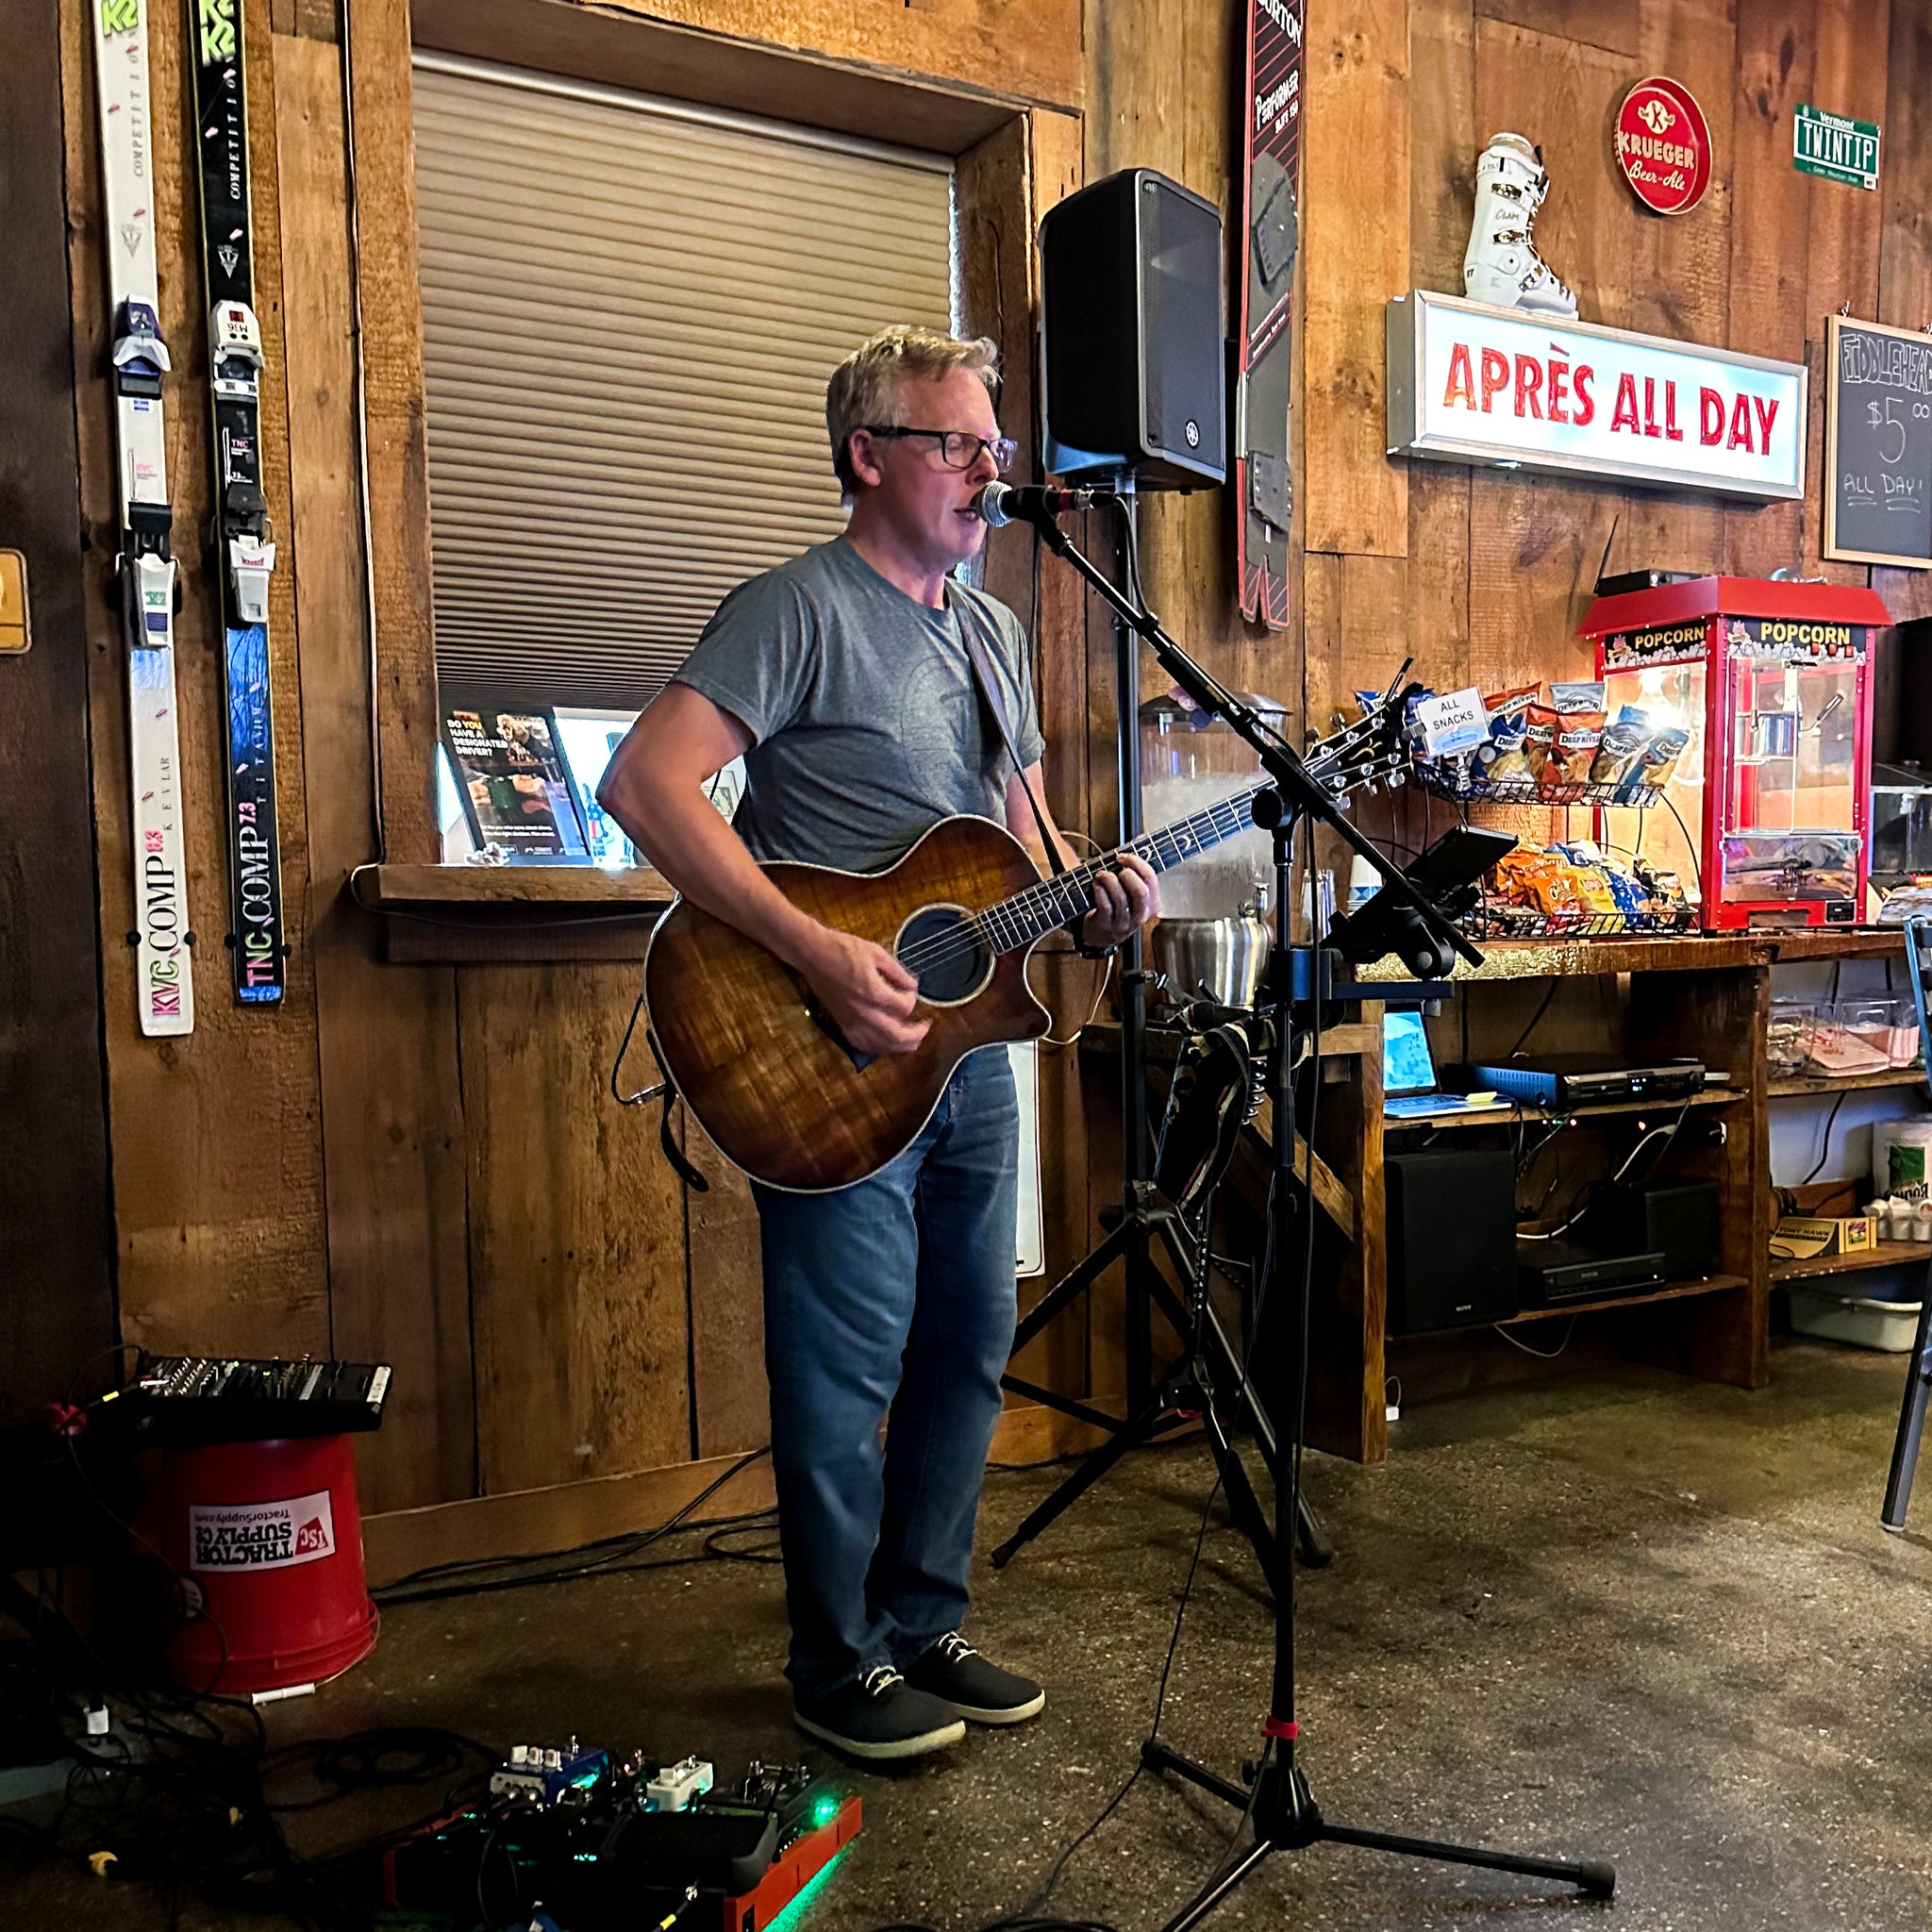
column 1221, row 960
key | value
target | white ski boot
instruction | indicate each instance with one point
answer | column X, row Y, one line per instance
column 1501, row 266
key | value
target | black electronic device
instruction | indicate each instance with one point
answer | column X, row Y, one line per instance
column 1132, row 340
column 1552, row 1273
column 1451, row 1239
column 190, row 1399
column 1556, row 1080
column 1678, row 1219
column 608, row 1842
column 1641, row 580
column 1445, row 873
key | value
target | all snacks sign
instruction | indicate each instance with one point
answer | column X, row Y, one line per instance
column 1472, row 384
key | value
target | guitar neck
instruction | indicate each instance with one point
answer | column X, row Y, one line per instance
column 1030, row 915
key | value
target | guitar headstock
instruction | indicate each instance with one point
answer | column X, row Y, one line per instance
column 1368, row 748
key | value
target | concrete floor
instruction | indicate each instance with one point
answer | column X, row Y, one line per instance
column 1623, row 1616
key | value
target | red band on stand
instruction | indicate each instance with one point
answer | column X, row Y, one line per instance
column 1280, row 1727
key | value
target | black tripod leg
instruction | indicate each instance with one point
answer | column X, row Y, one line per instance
column 1593, row 1876
column 1129, row 1434
column 1311, row 1538
column 1078, row 1278
column 1224, row 1370
column 1242, row 1503
column 1204, row 1902
column 1911, row 1420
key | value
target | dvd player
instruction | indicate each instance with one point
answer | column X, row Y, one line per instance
column 1549, row 1273
column 1558, row 1080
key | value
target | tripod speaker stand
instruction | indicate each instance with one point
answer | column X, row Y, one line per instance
column 1212, row 1383
column 1142, row 1218
column 1280, row 1803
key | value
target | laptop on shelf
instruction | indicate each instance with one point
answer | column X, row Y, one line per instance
column 1409, row 1086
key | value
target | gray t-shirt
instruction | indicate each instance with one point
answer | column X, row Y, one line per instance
column 868, row 725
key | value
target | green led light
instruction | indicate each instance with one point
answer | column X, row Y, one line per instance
column 788, row 1917
column 825, row 1810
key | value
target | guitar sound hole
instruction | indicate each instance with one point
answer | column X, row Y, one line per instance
column 942, row 951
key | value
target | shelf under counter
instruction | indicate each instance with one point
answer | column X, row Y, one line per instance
column 1784, row 1084
column 1540, row 1116
column 1559, row 958
column 1822, row 1266
column 459, row 914
column 1670, row 1291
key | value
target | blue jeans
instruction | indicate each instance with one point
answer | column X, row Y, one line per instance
column 895, row 1297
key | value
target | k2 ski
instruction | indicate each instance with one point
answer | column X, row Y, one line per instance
column 163, row 973
column 245, row 554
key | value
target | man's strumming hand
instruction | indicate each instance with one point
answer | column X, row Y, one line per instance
column 871, row 998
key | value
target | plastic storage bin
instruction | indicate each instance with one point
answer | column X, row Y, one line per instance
column 1787, row 1041
column 1891, row 1327
column 1852, row 1037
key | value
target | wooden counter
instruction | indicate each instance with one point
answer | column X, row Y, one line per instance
column 1686, row 953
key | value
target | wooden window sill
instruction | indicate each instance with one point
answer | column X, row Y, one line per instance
column 466, row 914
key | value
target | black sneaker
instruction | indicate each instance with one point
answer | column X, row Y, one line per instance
column 956, row 1673
column 879, row 1716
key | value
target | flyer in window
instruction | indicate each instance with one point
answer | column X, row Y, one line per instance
column 516, row 786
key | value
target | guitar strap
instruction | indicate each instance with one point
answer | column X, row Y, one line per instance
column 981, row 661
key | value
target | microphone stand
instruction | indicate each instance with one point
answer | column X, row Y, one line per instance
column 1279, row 1801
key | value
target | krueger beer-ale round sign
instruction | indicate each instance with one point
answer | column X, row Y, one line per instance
column 1663, row 147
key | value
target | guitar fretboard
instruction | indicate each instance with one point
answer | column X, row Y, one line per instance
column 1031, row 915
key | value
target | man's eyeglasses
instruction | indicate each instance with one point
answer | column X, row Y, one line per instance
column 960, row 448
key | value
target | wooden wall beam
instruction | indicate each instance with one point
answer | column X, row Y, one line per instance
column 1032, row 46
column 57, row 1312
column 657, row 56
column 1355, row 242
column 390, row 290
column 392, row 1134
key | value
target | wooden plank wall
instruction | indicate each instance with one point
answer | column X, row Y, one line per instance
column 57, row 1302
column 421, row 1163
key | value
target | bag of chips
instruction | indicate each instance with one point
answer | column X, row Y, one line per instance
column 1658, row 760
column 1574, row 717
column 1500, row 757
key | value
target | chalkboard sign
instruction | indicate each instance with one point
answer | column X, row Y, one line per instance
column 1878, row 444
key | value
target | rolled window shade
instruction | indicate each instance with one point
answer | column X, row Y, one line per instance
column 630, row 309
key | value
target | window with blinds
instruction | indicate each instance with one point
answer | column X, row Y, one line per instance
column 630, row 308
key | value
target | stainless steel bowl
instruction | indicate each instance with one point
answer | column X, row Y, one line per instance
column 1221, row 960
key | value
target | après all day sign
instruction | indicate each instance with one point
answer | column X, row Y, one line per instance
column 1467, row 383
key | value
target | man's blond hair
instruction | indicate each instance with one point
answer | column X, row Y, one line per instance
column 864, row 389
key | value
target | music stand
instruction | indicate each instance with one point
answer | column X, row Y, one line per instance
column 1279, row 1801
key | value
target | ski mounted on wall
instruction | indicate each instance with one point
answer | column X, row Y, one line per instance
column 1270, row 192
column 244, row 553
column 164, row 978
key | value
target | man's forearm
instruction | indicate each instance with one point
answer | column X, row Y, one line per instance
column 692, row 844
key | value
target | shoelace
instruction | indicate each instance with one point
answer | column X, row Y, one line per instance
column 879, row 1679
column 955, row 1648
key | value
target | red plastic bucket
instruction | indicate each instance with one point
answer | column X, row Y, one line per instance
column 265, row 1541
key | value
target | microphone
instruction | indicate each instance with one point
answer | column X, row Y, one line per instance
column 1000, row 504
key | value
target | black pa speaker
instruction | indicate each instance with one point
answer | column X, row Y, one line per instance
column 1452, row 1240
column 1132, row 350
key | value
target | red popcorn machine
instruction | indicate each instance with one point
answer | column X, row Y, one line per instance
column 1769, row 803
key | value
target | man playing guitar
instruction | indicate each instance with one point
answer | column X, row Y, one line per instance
column 843, row 679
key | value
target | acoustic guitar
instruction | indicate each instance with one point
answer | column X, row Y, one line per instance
column 764, row 1071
